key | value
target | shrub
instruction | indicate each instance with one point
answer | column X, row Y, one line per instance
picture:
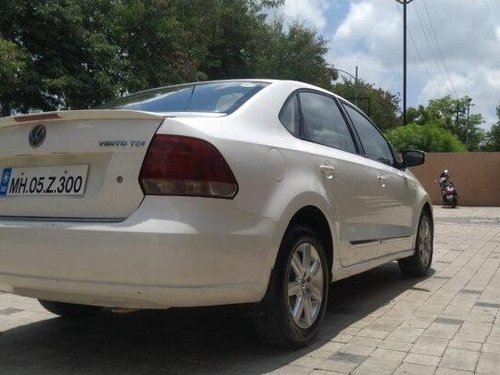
column 429, row 138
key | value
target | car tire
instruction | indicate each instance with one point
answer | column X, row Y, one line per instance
column 419, row 263
column 69, row 310
column 296, row 299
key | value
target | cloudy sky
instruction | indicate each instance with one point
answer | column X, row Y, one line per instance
column 453, row 45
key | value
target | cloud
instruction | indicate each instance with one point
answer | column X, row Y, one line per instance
column 468, row 35
column 369, row 35
column 312, row 13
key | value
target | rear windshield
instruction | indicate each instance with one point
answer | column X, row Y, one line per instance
column 221, row 97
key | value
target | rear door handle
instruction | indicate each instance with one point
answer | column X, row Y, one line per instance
column 327, row 170
column 382, row 180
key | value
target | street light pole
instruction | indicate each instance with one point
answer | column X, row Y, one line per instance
column 355, row 81
column 404, row 2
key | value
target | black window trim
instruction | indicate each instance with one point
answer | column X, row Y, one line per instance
column 287, row 100
column 396, row 161
column 350, row 123
column 354, row 136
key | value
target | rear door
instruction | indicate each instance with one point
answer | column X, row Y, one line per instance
column 73, row 164
column 393, row 190
column 344, row 176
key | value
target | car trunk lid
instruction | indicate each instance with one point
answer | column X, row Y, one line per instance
column 101, row 150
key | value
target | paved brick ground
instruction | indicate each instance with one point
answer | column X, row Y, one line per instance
column 376, row 323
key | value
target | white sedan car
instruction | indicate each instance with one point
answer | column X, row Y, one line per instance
column 256, row 192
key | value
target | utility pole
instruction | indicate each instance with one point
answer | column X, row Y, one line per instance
column 404, row 2
column 469, row 100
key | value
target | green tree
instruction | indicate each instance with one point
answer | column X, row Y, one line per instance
column 13, row 60
column 382, row 106
column 431, row 137
column 493, row 136
column 295, row 53
column 451, row 114
column 72, row 61
column 72, row 54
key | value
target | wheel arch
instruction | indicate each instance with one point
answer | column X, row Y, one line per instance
column 314, row 218
column 428, row 208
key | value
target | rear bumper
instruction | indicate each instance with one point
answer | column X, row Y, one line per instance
column 172, row 252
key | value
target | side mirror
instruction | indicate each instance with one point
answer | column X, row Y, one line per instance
column 412, row 158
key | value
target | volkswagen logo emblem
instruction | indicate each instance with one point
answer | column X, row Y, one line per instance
column 37, row 136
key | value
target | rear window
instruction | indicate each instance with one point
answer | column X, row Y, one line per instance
column 221, row 97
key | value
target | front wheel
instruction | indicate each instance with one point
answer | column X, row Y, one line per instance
column 69, row 310
column 418, row 264
column 296, row 299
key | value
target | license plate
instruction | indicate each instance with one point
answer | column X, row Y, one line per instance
column 450, row 196
column 60, row 180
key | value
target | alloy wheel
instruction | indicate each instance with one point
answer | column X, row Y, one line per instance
column 305, row 285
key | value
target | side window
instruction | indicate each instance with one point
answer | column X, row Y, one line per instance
column 324, row 123
column 375, row 145
column 289, row 115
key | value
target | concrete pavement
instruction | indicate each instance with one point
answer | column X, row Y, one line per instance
column 376, row 323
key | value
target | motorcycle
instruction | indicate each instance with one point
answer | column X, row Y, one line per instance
column 449, row 194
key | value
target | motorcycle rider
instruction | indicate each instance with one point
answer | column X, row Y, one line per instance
column 449, row 194
column 443, row 178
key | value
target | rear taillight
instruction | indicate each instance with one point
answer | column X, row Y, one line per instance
column 178, row 165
